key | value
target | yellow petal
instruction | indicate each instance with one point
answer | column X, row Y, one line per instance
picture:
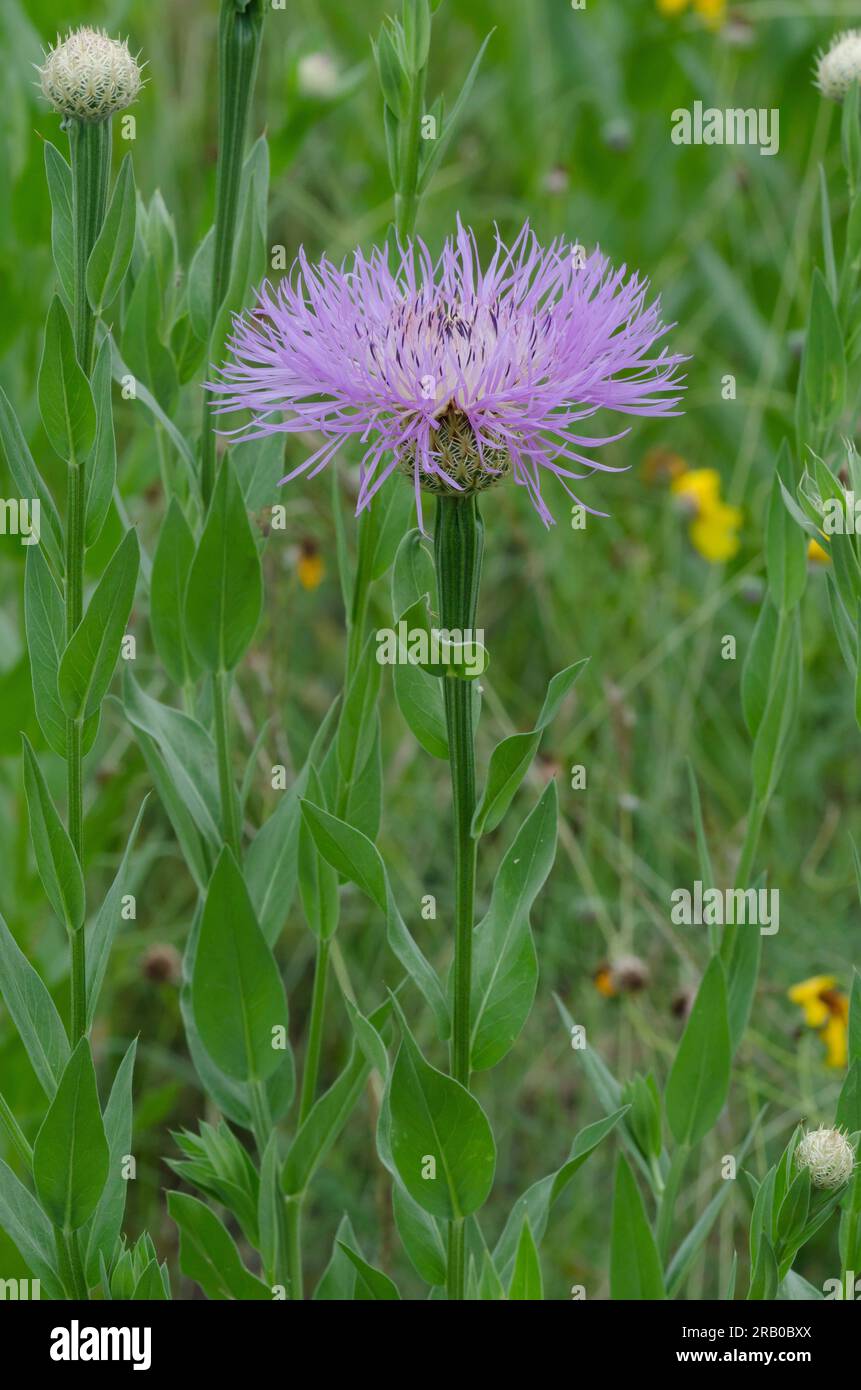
column 698, row 485
column 834, row 1037
column 310, row 569
column 817, row 554
column 715, row 537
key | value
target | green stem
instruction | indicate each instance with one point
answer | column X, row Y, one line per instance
column 240, row 30
column 16, row 1134
column 90, row 150
column 406, row 195
column 227, row 787
column 315, row 1030
column 458, row 547
column 261, row 1116
column 71, row 1266
column 666, row 1210
column 294, row 1246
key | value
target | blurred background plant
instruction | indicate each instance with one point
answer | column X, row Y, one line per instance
column 568, row 124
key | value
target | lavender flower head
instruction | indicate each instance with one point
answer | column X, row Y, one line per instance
column 457, row 376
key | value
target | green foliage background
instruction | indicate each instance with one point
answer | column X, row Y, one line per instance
column 568, row 126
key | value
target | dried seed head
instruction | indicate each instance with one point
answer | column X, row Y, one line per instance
column 87, row 76
column 837, row 69
column 828, row 1155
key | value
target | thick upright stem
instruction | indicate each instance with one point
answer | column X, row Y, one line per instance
column 239, row 33
column 458, row 545
column 90, row 149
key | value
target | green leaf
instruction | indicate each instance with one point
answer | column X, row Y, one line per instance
column 28, row 483
column 510, row 759
column 368, row 1039
column 371, row 1283
column 318, row 881
column 420, row 701
column 854, row 1044
column 101, row 471
column 147, row 357
column 189, row 753
column 237, row 994
column 785, row 544
column 200, row 286
column 505, row 968
column 420, row 1237
column 109, row 258
column 108, row 1216
column 87, row 664
column 764, row 1280
column 773, row 733
column 56, row 860
column 269, row 1204
column 249, row 260
column 100, row 936
column 207, row 1253
column 526, row 1281
column 356, row 725
column 823, row 363
column 338, row 1280
column 359, row 860
column 45, row 624
column 170, row 570
column 224, row 595
column 29, row 1229
column 70, row 1156
column 65, row 399
column 635, row 1266
column 195, row 849
column 59, row 176
column 441, row 1142
column 756, row 672
column 699, row 1078
column 33, row 1013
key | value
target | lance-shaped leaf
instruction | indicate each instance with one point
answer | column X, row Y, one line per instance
column 785, row 546
column 635, row 1266
column 224, row 594
column 699, row 1078
column 104, row 1228
column 237, row 994
column 101, row 935
column 170, row 570
column 101, row 472
column 526, row 1280
column 208, row 1255
column 56, row 860
column 70, row 1156
column 45, row 623
column 356, row 725
column 433, row 151
column 505, row 967
column 33, row 1013
column 441, row 1142
column 59, row 177
column 318, row 881
column 88, row 662
column 29, row 1229
column 510, row 759
column 143, row 349
column 823, row 363
column 109, row 258
column 420, row 1237
column 359, row 860
column 28, row 483
column 65, row 398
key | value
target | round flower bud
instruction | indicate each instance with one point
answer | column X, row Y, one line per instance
column 87, row 76
column 828, row 1155
column 837, row 69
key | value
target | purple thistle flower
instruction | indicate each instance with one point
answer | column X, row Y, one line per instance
column 456, row 375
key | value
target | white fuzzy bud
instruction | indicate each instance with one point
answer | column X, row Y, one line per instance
column 837, row 69
column 87, row 76
column 828, row 1155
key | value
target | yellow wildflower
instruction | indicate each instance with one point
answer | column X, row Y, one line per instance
column 817, row 554
column 827, row 1010
column 309, row 567
column 714, row 525
column 713, row 12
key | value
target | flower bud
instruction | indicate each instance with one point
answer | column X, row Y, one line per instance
column 837, row 69
column 828, row 1155
column 87, row 76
